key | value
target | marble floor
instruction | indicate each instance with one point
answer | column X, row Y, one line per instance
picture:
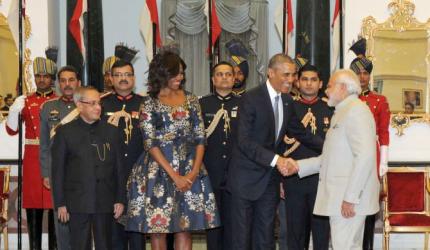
column 398, row 242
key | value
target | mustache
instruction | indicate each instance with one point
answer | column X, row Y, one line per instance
column 123, row 82
column 68, row 88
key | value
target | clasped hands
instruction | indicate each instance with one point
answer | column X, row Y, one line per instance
column 287, row 166
column 184, row 182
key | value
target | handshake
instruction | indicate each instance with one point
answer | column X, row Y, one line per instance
column 287, row 166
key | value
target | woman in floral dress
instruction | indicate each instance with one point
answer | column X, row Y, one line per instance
column 169, row 189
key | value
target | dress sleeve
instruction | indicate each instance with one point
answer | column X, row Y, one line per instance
column 197, row 120
column 147, row 121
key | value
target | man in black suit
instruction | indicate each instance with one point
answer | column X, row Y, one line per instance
column 87, row 179
column 256, row 165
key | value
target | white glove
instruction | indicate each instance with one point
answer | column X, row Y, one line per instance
column 14, row 110
column 383, row 165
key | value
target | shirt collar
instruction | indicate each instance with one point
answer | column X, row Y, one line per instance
column 309, row 102
column 45, row 94
column 223, row 98
column 124, row 98
column 272, row 91
column 346, row 101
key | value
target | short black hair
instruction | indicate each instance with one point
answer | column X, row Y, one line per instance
column 121, row 63
column 222, row 63
column 68, row 68
column 309, row 67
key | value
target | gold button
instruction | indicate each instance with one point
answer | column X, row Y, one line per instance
column 224, row 156
column 223, row 143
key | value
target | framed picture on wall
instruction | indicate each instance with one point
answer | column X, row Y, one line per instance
column 413, row 96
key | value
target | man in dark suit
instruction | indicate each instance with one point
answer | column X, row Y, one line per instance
column 254, row 174
column 87, row 179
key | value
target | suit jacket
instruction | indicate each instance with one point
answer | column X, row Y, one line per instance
column 250, row 170
column 87, row 175
column 347, row 164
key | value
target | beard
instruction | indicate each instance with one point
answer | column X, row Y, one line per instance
column 238, row 84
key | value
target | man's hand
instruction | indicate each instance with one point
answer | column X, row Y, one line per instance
column 347, row 209
column 118, row 208
column 18, row 104
column 46, row 183
column 14, row 110
column 63, row 215
column 287, row 166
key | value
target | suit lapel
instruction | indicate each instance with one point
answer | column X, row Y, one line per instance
column 286, row 113
column 267, row 103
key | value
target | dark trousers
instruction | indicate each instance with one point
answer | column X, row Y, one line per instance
column 123, row 240
column 220, row 238
column 369, row 232
column 83, row 226
column 34, row 227
column 301, row 221
column 253, row 221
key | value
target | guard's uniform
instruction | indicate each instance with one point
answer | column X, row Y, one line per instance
column 119, row 107
column 34, row 194
column 300, row 194
column 51, row 114
column 220, row 118
column 54, row 112
column 381, row 112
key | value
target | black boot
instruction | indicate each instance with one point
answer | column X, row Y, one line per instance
column 52, row 243
column 34, row 227
column 369, row 230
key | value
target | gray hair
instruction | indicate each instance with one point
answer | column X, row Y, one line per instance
column 278, row 59
column 81, row 91
column 349, row 79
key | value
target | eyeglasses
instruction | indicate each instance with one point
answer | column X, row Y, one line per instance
column 92, row 103
column 127, row 75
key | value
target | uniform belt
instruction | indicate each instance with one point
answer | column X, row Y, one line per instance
column 32, row 142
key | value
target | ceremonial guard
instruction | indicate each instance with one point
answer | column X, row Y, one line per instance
column 121, row 109
column 53, row 114
column 300, row 194
column 107, row 66
column 220, row 111
column 239, row 54
column 35, row 196
column 379, row 106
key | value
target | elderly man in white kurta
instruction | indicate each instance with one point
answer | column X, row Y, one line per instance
column 348, row 188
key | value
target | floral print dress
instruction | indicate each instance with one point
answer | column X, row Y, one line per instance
column 154, row 203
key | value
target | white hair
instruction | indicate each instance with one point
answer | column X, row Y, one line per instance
column 349, row 79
